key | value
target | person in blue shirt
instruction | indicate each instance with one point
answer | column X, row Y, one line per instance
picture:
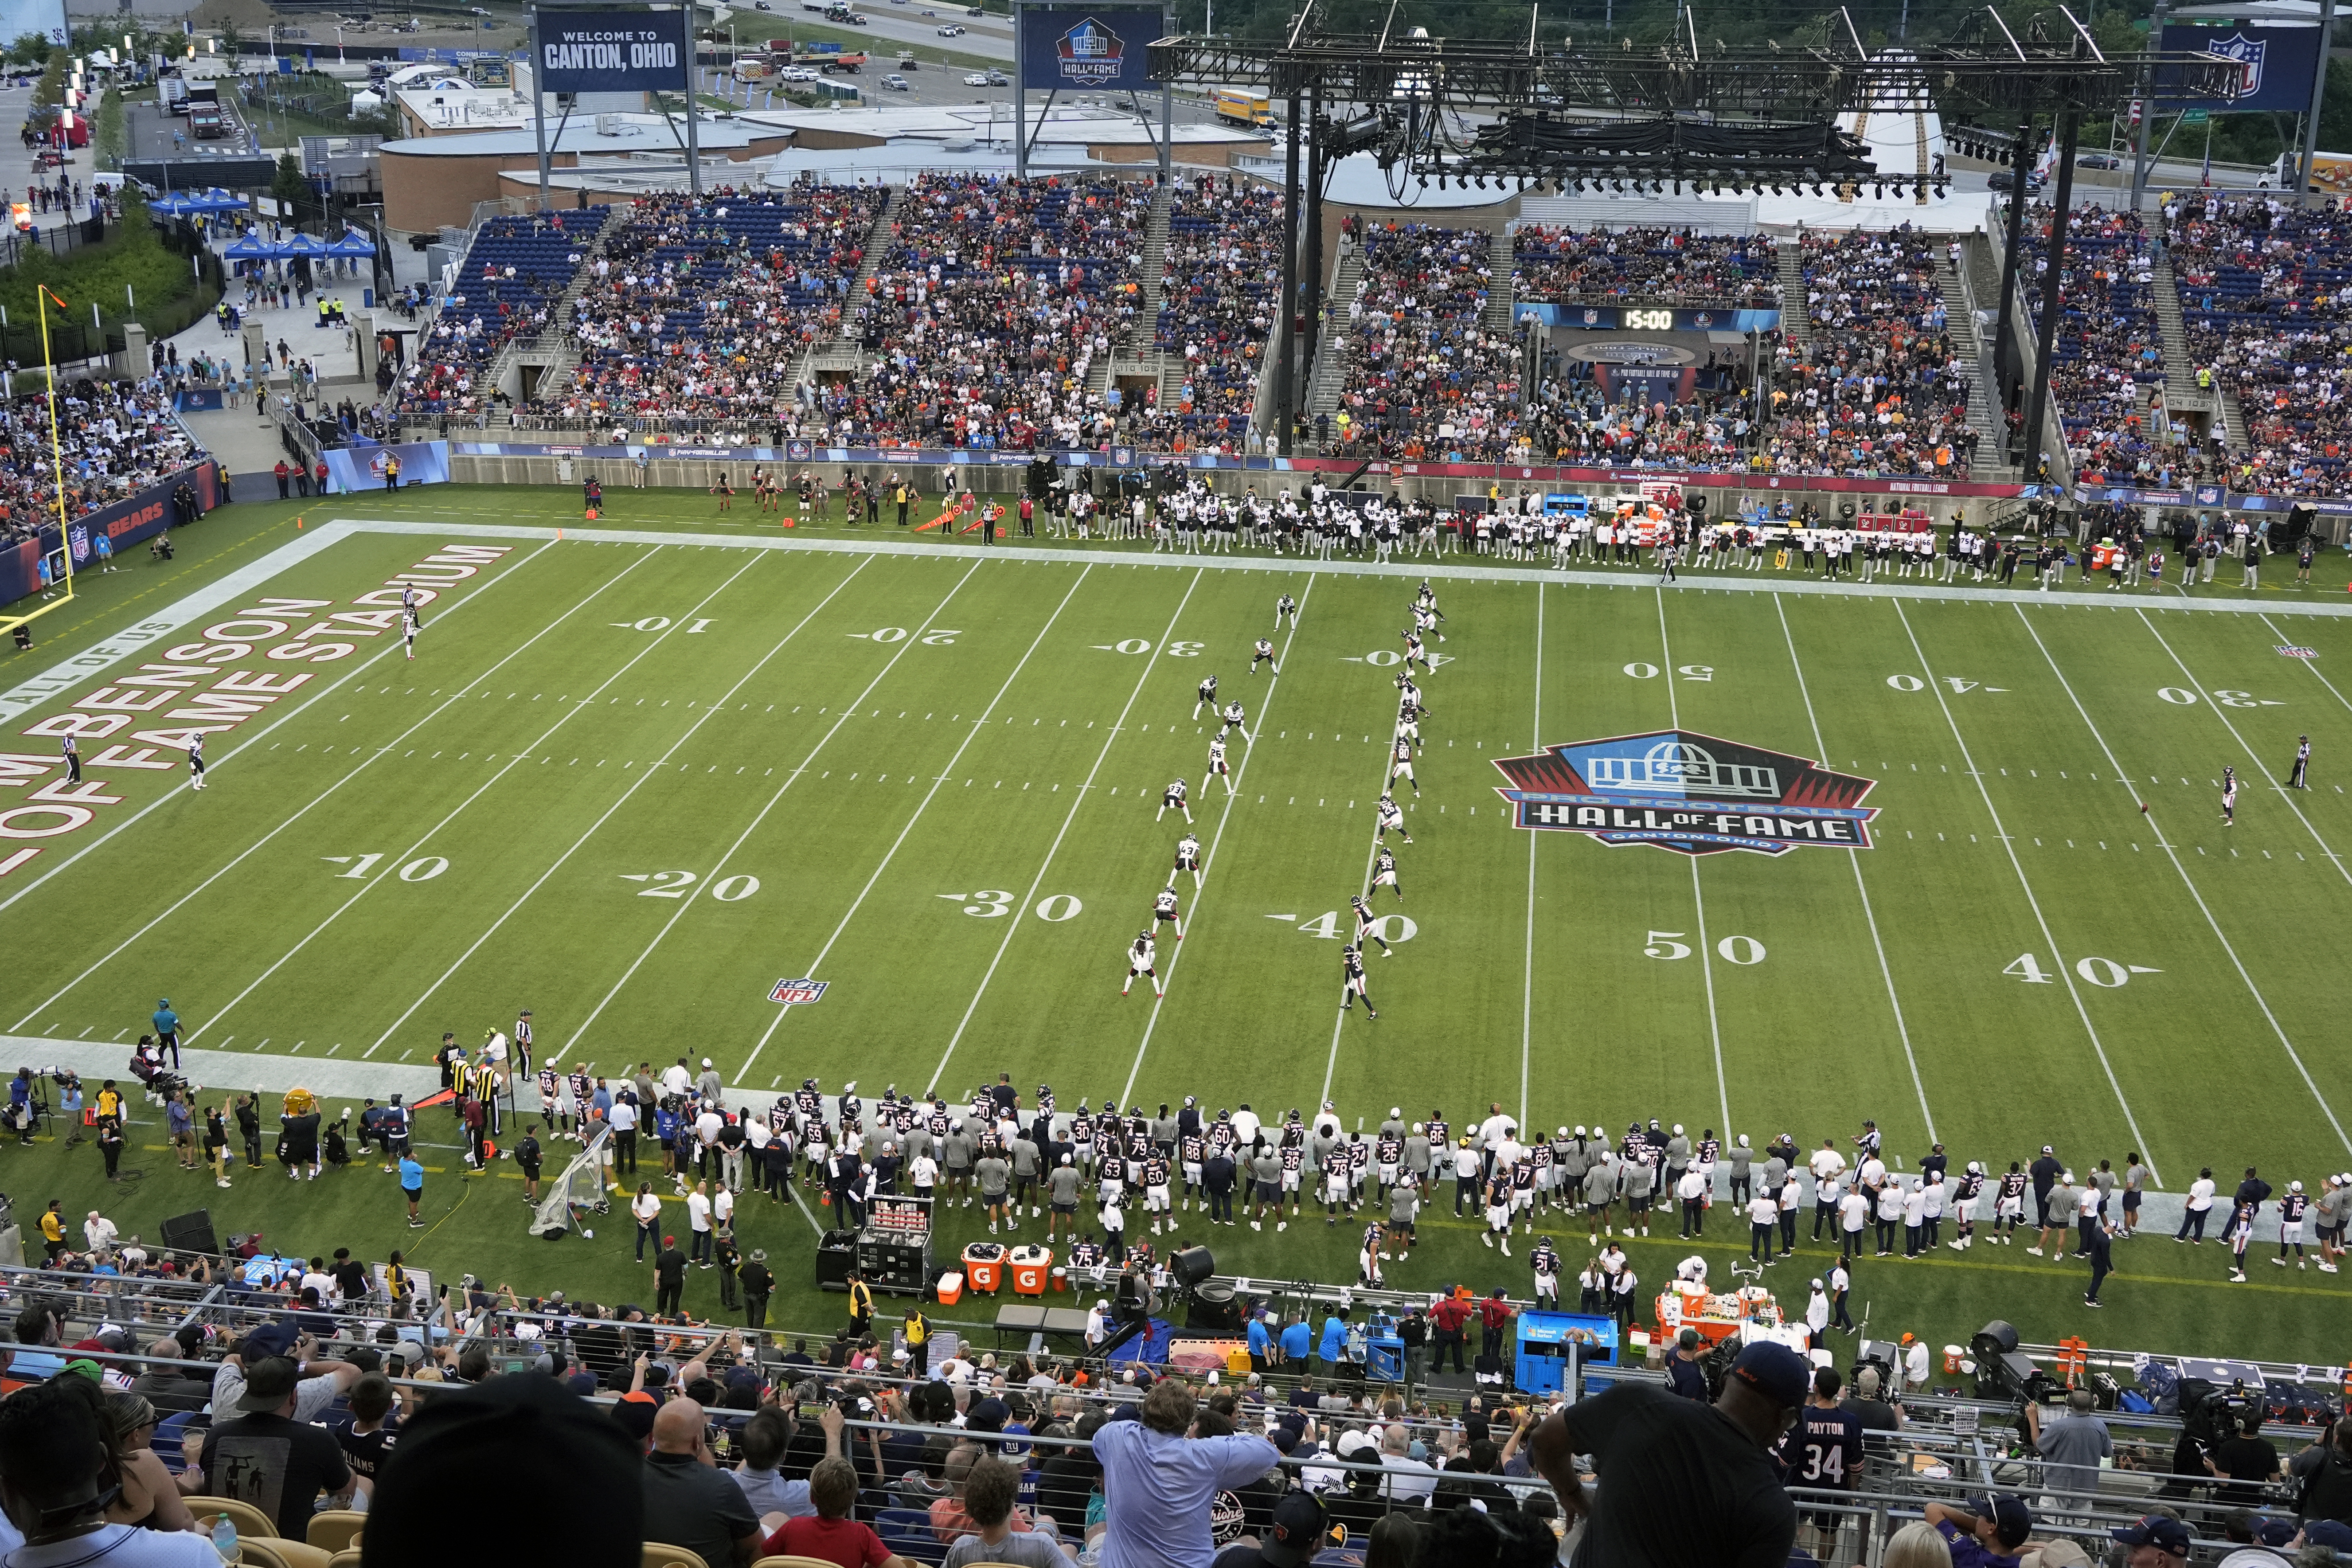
column 1158, row 1483
column 412, row 1187
column 167, row 1030
column 1298, row 1342
column 1261, row 1343
column 104, row 545
column 1335, row 1341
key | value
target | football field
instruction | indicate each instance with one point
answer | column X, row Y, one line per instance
column 632, row 782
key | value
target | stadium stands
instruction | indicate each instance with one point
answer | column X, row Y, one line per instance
column 1877, row 388
column 2109, row 350
column 507, row 288
column 1422, row 377
column 988, row 309
column 1217, row 307
column 115, row 437
column 704, row 312
column 2266, row 299
column 1647, row 266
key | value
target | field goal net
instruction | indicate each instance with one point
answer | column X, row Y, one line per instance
column 580, row 1190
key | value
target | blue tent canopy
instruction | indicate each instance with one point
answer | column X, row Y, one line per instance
column 217, row 200
column 253, row 247
column 353, row 243
column 302, row 245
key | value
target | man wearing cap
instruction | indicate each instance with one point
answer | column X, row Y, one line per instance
column 669, row 1276
column 2156, row 1541
column 1652, row 1454
column 1298, row 1532
column 269, row 1457
column 1991, row 1537
column 758, row 1283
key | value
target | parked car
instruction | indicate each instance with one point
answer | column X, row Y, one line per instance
column 894, row 82
column 976, row 78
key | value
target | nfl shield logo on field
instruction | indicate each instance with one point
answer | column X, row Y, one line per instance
column 2249, row 54
column 797, row 993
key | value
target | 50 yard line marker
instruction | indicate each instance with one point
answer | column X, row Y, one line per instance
column 2008, row 847
column 426, row 838
column 2165, row 844
column 1208, row 860
column 286, row 716
column 970, row 735
column 1698, row 899
column 635, row 784
column 1821, row 747
column 847, row 714
column 1077, row 799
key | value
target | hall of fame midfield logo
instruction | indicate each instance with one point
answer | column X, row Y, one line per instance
column 797, row 993
column 1688, row 793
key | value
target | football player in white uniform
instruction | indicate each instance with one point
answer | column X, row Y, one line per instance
column 1188, row 859
column 1173, row 800
column 1142, row 959
column 1218, row 767
column 1164, row 912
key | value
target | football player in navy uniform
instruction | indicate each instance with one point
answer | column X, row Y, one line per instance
column 1367, row 930
column 1545, row 1262
column 2293, row 1207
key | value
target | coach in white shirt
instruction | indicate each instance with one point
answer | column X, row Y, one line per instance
column 2199, row 1205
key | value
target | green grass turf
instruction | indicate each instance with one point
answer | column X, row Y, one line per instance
column 550, row 753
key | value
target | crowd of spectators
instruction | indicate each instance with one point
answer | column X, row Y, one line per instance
column 2109, row 350
column 1422, row 377
column 2266, row 297
column 702, row 309
column 507, row 288
column 1217, row 308
column 115, row 437
column 1879, row 388
column 991, row 301
column 1647, row 266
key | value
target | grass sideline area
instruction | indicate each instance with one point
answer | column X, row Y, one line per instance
column 878, row 874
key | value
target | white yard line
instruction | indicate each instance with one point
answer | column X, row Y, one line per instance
column 1853, row 858
column 1528, row 981
column 1209, row 860
column 392, row 863
column 365, row 763
column 941, row 777
column 2285, row 795
column 1372, row 852
column 1698, row 895
column 2170, row 854
column 285, row 716
column 635, row 784
column 1029, row 898
column 847, row 714
column 2008, row 847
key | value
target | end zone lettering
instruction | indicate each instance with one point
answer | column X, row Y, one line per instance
column 1688, row 793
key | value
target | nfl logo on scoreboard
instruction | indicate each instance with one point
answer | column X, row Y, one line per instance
column 797, row 993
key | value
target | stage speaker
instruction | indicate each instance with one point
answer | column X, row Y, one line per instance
column 1215, row 1308
column 1191, row 1266
column 192, row 1233
column 1994, row 1341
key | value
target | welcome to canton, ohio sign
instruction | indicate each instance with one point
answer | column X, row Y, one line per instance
column 1688, row 793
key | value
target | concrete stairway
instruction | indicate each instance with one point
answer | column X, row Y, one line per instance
column 842, row 353
column 1796, row 325
column 1330, row 373
column 1139, row 355
column 1960, row 312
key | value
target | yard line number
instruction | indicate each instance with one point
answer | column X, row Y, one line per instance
column 939, row 636
column 989, row 902
column 2105, row 973
column 674, row 884
column 2183, row 698
column 1739, row 950
column 420, row 870
column 1388, row 928
column 1641, row 672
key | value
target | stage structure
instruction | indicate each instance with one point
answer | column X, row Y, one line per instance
column 1688, row 115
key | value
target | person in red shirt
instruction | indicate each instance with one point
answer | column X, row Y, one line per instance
column 1452, row 1316
column 832, row 1535
column 1495, row 1315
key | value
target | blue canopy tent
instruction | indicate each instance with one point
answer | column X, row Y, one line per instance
column 253, row 247
column 179, row 203
column 217, row 200
column 352, row 243
column 308, row 244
